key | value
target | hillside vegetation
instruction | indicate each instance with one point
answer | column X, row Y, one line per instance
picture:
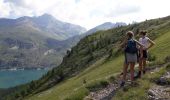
column 94, row 59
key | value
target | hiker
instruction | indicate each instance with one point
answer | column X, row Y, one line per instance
column 130, row 50
column 143, row 54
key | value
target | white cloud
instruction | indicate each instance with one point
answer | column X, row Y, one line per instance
column 87, row 13
column 4, row 9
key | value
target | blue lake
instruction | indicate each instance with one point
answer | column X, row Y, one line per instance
column 16, row 77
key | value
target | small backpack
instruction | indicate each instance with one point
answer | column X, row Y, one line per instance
column 131, row 47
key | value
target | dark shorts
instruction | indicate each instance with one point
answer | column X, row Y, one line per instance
column 145, row 54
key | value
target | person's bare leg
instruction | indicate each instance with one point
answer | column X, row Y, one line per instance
column 125, row 67
column 125, row 71
column 141, row 60
column 140, row 68
column 132, row 65
column 144, row 65
column 140, row 64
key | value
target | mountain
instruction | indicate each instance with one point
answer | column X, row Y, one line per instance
column 47, row 24
column 35, row 41
column 62, row 29
column 105, row 26
column 97, row 61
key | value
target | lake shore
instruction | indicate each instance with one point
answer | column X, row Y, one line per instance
column 14, row 77
column 26, row 68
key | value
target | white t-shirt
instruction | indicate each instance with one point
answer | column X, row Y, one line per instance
column 144, row 41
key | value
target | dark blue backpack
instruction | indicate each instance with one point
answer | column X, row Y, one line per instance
column 131, row 47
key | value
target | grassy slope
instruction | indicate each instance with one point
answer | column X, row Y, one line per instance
column 162, row 47
column 139, row 92
column 66, row 89
column 161, row 50
column 100, row 71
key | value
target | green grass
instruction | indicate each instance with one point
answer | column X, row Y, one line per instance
column 162, row 47
column 67, row 88
column 73, row 89
column 161, row 50
column 139, row 92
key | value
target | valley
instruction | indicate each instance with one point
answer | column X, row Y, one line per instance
column 95, row 59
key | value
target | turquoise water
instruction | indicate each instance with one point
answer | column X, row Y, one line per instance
column 17, row 77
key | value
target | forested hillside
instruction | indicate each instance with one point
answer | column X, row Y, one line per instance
column 93, row 61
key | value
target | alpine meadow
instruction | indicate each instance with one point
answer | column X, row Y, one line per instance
column 44, row 56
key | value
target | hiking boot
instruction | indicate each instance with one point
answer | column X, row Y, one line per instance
column 144, row 71
column 122, row 84
column 121, row 73
column 134, row 84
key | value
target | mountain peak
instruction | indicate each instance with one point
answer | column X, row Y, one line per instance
column 106, row 23
column 46, row 16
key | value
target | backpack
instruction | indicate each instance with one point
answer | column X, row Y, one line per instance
column 131, row 47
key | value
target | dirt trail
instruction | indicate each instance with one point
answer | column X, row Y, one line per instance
column 108, row 92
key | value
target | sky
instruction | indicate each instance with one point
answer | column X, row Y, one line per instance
column 87, row 13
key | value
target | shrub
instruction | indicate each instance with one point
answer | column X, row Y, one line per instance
column 97, row 85
column 112, row 79
column 151, row 57
column 104, row 83
column 168, row 67
column 167, row 59
column 17, row 95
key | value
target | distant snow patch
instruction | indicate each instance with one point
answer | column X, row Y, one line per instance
column 51, row 51
column 14, row 48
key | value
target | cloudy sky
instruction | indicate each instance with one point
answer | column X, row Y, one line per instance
column 87, row 13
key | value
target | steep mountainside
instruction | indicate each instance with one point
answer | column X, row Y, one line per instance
column 34, row 41
column 92, row 61
column 104, row 26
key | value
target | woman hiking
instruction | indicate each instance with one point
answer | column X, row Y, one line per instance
column 143, row 55
column 130, row 50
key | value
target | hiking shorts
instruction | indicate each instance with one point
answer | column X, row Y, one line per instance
column 145, row 54
column 130, row 58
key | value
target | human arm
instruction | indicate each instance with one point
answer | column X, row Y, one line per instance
column 140, row 48
column 140, row 45
column 123, row 44
column 151, row 43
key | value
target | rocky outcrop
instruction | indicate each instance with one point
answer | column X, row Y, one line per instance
column 104, row 94
column 20, row 44
column 161, row 91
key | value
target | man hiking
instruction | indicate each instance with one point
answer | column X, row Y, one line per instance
column 143, row 52
column 130, row 50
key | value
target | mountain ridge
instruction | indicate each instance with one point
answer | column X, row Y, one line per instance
column 48, row 24
column 24, row 42
column 82, row 69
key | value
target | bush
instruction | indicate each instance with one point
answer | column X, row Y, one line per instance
column 104, row 83
column 151, row 57
column 167, row 59
column 168, row 67
column 97, row 85
column 17, row 95
column 112, row 79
